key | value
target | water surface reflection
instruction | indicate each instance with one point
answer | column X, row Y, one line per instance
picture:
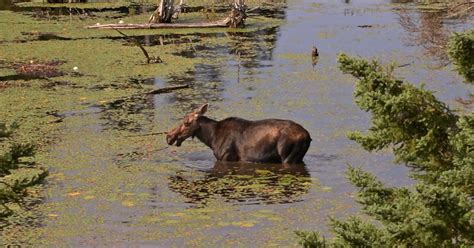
column 245, row 183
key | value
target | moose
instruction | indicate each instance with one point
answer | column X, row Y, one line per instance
column 235, row 139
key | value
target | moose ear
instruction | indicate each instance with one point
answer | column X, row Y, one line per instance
column 202, row 110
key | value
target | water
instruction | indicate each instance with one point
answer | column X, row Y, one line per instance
column 125, row 189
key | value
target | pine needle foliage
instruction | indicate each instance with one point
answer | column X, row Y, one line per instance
column 461, row 53
column 13, row 180
column 11, row 152
column 424, row 134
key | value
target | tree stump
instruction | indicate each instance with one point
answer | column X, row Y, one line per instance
column 163, row 13
column 237, row 15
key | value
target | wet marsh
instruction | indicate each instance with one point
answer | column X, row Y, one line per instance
column 110, row 184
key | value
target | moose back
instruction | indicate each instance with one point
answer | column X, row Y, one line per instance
column 236, row 139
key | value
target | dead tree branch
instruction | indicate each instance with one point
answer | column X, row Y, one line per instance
column 167, row 89
column 149, row 60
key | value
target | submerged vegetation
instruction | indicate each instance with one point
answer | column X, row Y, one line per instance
column 424, row 134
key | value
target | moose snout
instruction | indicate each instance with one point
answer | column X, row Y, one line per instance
column 170, row 139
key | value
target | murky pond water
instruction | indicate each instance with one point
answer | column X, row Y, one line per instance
column 110, row 185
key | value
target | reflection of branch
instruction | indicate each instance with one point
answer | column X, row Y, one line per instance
column 461, row 5
column 167, row 89
column 148, row 58
column 468, row 2
column 427, row 31
column 465, row 102
column 461, row 12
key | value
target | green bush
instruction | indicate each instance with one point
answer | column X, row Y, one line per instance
column 424, row 134
column 461, row 53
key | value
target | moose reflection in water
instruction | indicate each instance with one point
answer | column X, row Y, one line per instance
column 245, row 183
column 235, row 139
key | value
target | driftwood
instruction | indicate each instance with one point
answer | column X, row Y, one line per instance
column 167, row 89
column 163, row 13
column 216, row 24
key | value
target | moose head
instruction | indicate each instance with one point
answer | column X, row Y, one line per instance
column 188, row 127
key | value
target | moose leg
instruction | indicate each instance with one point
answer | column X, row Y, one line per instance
column 227, row 152
column 285, row 147
column 230, row 157
column 297, row 153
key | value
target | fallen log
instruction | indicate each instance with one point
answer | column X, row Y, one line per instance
column 167, row 89
column 236, row 19
column 216, row 24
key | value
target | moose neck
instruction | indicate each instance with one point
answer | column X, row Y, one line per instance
column 206, row 132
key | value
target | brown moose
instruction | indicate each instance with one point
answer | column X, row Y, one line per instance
column 236, row 139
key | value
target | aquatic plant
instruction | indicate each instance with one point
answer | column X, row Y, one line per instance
column 264, row 186
column 461, row 53
column 424, row 134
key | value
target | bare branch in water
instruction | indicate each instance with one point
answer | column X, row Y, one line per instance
column 150, row 60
